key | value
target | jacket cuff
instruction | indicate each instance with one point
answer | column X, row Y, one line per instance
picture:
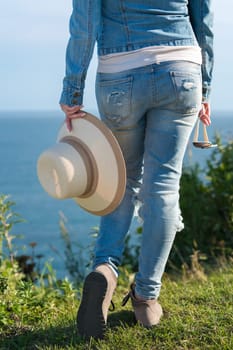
column 71, row 97
column 72, row 93
column 206, row 94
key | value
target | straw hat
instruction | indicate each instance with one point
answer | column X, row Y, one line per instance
column 85, row 164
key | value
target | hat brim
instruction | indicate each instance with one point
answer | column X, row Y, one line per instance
column 104, row 148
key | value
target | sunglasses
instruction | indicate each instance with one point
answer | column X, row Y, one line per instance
column 202, row 144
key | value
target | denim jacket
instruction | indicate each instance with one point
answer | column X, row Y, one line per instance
column 125, row 25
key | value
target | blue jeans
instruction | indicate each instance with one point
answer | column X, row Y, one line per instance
column 151, row 111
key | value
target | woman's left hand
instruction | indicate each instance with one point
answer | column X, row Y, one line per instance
column 204, row 113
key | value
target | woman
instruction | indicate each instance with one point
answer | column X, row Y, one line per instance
column 153, row 82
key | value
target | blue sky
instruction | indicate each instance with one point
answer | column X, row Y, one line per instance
column 33, row 39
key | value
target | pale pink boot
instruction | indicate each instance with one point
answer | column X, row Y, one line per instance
column 98, row 290
column 147, row 312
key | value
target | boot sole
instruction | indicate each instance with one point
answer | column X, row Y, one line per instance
column 90, row 319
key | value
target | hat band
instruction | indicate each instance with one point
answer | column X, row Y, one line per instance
column 89, row 161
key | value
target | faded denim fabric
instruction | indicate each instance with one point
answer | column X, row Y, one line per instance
column 125, row 25
column 152, row 111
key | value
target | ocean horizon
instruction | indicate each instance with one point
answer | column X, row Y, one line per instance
column 24, row 135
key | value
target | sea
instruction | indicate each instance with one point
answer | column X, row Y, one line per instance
column 24, row 135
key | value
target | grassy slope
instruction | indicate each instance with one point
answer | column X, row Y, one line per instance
column 197, row 315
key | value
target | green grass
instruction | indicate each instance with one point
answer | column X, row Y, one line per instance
column 198, row 314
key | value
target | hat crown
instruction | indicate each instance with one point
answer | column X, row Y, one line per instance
column 85, row 164
column 62, row 171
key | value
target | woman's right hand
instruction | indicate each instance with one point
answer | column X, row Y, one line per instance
column 204, row 113
column 71, row 113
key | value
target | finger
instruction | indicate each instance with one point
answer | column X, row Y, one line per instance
column 70, row 109
column 76, row 115
column 73, row 109
column 68, row 124
column 74, row 112
column 205, row 119
column 70, row 117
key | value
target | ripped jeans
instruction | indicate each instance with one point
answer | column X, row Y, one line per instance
column 151, row 111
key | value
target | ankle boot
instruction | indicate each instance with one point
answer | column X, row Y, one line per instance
column 98, row 290
column 147, row 312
